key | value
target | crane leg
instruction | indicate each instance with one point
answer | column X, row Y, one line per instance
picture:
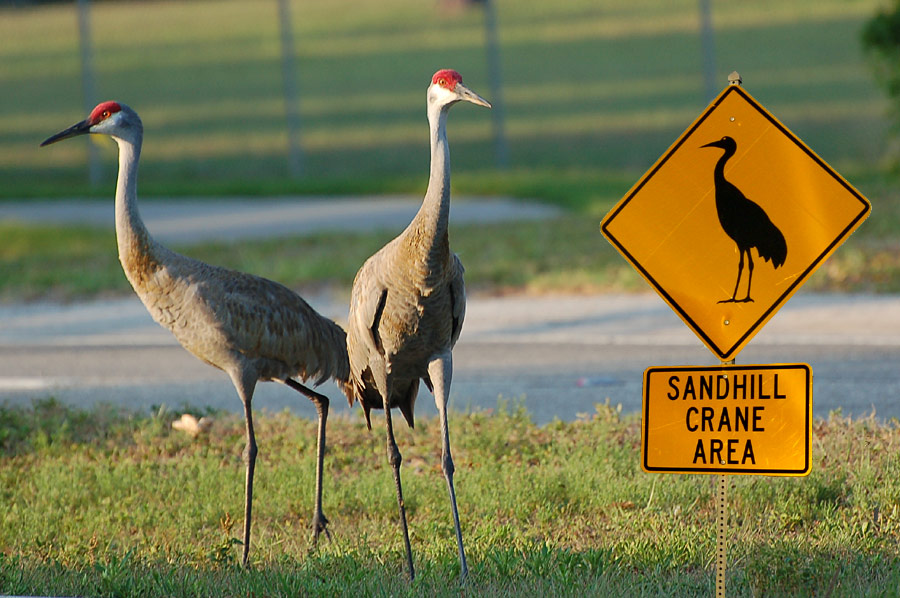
column 440, row 370
column 749, row 277
column 320, row 522
column 738, row 281
column 394, row 458
column 245, row 384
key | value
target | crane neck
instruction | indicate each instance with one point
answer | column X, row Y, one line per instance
column 719, row 172
column 432, row 220
column 131, row 235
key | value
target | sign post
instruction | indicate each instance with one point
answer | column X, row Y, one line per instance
column 726, row 226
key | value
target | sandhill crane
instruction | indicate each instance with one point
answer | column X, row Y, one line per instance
column 407, row 306
column 745, row 222
column 252, row 328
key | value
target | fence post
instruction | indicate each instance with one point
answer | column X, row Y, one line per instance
column 708, row 50
column 501, row 151
column 88, row 91
column 291, row 95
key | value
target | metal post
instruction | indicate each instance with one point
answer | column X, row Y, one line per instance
column 708, row 49
column 501, row 150
column 721, row 526
column 721, row 533
column 291, row 95
column 89, row 95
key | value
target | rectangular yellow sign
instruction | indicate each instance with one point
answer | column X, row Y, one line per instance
column 751, row 419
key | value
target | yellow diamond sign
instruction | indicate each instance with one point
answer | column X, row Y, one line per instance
column 732, row 219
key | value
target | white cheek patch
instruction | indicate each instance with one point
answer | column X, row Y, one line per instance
column 442, row 94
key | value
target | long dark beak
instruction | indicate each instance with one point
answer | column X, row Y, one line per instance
column 470, row 96
column 717, row 144
column 73, row 131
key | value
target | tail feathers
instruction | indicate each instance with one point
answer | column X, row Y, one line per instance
column 772, row 246
column 365, row 391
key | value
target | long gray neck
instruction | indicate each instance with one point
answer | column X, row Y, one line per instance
column 131, row 234
column 432, row 219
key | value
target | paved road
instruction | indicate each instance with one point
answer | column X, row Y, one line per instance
column 559, row 355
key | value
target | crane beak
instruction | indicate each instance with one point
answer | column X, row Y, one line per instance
column 713, row 144
column 468, row 95
column 77, row 129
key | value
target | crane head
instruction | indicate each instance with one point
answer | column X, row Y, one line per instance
column 726, row 143
column 447, row 88
column 109, row 118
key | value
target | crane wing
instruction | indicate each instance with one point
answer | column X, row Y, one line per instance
column 457, row 298
column 262, row 320
column 367, row 302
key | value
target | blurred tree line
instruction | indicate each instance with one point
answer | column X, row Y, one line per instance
column 881, row 40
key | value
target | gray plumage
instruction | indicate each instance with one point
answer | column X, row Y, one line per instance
column 252, row 328
column 232, row 320
column 407, row 308
column 408, row 302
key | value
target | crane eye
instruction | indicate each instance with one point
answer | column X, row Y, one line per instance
column 105, row 114
column 442, row 82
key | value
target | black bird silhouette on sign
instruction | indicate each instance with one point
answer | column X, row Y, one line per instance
column 745, row 222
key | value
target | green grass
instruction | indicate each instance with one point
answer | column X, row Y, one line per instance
column 110, row 503
column 564, row 254
column 599, row 89
column 594, row 93
column 65, row 263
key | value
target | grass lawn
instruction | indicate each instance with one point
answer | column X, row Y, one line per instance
column 567, row 254
column 593, row 92
column 106, row 503
column 595, row 89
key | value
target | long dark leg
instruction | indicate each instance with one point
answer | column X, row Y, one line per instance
column 245, row 384
column 440, row 370
column 394, row 458
column 319, row 523
column 738, row 281
column 749, row 276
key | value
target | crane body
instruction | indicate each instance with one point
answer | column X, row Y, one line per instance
column 252, row 328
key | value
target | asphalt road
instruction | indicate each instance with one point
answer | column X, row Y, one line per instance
column 558, row 356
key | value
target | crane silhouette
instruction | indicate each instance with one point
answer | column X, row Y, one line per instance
column 252, row 328
column 407, row 307
column 745, row 222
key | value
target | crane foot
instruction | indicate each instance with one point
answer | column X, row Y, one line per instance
column 320, row 524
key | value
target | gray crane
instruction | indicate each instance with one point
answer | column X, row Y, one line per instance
column 407, row 307
column 252, row 328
